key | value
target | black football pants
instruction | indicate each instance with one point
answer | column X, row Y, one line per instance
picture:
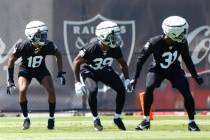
column 109, row 78
column 179, row 81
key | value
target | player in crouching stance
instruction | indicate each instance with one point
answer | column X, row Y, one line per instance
column 166, row 50
column 98, row 57
column 33, row 53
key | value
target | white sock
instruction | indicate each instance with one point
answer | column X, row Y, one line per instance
column 97, row 117
column 116, row 116
column 26, row 118
column 146, row 118
column 190, row 121
column 51, row 118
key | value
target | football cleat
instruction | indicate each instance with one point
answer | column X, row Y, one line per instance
column 26, row 124
column 193, row 127
column 97, row 125
column 119, row 123
column 143, row 125
column 51, row 124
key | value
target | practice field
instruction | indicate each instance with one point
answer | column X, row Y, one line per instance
column 80, row 127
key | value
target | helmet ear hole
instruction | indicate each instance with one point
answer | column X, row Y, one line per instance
column 185, row 31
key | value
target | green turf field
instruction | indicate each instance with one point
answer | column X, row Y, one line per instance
column 162, row 128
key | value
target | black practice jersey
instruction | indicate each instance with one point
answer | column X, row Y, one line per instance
column 96, row 58
column 165, row 57
column 32, row 58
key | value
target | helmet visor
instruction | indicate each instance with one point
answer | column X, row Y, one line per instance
column 182, row 36
column 113, row 40
column 40, row 38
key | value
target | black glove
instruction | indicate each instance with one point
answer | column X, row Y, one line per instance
column 10, row 87
column 60, row 78
column 199, row 80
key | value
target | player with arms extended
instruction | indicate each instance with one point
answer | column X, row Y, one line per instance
column 33, row 52
column 166, row 50
column 97, row 58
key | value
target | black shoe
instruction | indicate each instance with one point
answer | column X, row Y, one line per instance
column 119, row 123
column 193, row 127
column 143, row 125
column 97, row 125
column 26, row 124
column 51, row 123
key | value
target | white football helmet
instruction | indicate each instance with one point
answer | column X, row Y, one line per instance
column 176, row 28
column 36, row 32
column 108, row 32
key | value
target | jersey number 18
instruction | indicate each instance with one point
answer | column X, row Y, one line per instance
column 34, row 62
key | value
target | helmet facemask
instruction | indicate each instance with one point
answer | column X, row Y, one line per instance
column 181, row 37
column 112, row 40
column 40, row 38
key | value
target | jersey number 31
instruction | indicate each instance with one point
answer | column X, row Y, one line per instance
column 169, row 58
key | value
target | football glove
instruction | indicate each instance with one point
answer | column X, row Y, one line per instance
column 80, row 89
column 11, row 87
column 133, row 84
column 128, row 86
column 199, row 80
column 60, row 78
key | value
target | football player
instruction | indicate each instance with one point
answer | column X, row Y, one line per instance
column 166, row 50
column 97, row 58
column 33, row 52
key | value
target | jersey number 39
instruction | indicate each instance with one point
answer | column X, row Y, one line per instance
column 34, row 62
column 100, row 63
